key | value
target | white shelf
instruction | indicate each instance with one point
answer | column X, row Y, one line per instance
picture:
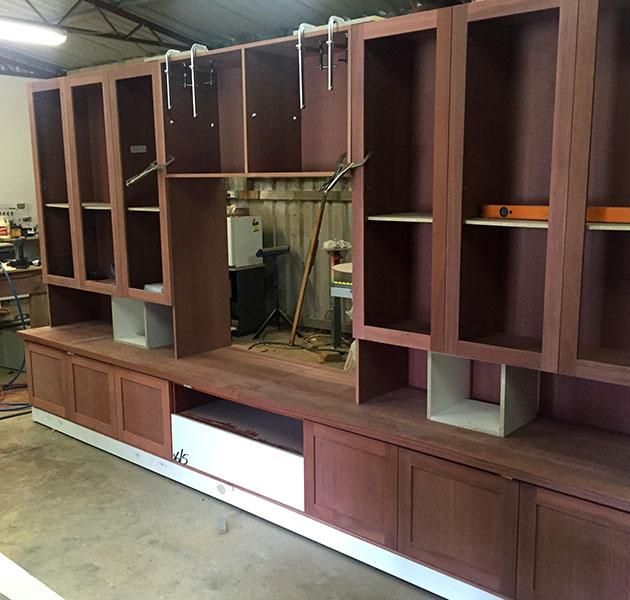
column 608, row 226
column 472, row 414
column 153, row 209
column 57, row 205
column 409, row 217
column 96, row 206
column 523, row 223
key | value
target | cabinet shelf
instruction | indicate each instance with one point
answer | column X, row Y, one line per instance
column 139, row 209
column 96, row 206
column 57, row 205
column 533, row 224
column 406, row 217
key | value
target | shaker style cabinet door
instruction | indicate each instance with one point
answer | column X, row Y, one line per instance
column 46, row 371
column 350, row 482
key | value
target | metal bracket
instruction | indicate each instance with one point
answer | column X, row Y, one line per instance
column 154, row 166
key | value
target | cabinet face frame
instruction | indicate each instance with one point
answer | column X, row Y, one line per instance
column 99, row 78
column 152, row 70
column 387, row 534
column 106, row 428
column 62, row 357
column 586, row 513
column 59, row 84
column 441, row 22
column 504, row 579
column 163, row 387
column 583, row 116
column 548, row 358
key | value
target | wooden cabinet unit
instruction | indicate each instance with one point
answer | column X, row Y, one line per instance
column 509, row 142
column 93, row 179
column 350, row 482
column 91, row 395
column 458, row 520
column 570, row 549
column 596, row 317
column 57, row 222
column 47, row 384
column 143, row 408
column 399, row 197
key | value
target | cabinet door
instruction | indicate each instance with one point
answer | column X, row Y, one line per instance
column 92, row 398
column 46, row 370
column 350, row 482
column 143, row 409
column 458, row 520
column 570, row 549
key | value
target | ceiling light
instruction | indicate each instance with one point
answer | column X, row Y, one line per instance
column 13, row 31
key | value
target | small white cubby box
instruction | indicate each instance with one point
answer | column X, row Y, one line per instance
column 450, row 387
column 141, row 323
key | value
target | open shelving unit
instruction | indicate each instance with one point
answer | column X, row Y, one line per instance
column 503, row 147
column 401, row 199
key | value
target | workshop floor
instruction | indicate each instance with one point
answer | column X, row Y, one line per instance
column 90, row 525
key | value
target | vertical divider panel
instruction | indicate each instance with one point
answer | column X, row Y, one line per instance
column 244, row 92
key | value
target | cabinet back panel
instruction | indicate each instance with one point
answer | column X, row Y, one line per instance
column 502, row 285
column 510, row 96
column 273, row 136
column 135, row 115
column 325, row 115
column 232, row 142
column 193, row 142
column 397, row 276
column 50, row 149
column 89, row 124
column 399, row 123
column 609, row 176
column 98, row 242
column 58, row 242
column 68, row 305
column 144, row 254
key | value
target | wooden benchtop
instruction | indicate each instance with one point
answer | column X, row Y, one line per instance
column 590, row 463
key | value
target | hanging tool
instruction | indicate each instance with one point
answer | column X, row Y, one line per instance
column 167, row 72
column 154, row 166
column 300, row 48
column 331, row 44
column 193, row 54
column 341, row 169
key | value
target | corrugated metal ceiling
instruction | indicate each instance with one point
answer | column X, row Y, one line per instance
column 212, row 22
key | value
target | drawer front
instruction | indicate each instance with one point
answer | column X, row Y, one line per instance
column 260, row 468
column 459, row 520
column 143, row 408
column 351, row 482
column 570, row 549
column 47, row 379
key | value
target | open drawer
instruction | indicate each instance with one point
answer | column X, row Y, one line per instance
column 247, row 447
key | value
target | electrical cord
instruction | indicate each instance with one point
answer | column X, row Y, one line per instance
column 14, row 407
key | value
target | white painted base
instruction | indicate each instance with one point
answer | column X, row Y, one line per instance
column 381, row 559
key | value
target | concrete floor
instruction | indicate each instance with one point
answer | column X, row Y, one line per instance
column 92, row 526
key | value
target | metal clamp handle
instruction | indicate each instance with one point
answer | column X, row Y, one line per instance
column 167, row 71
column 154, row 166
column 331, row 44
column 300, row 48
column 193, row 52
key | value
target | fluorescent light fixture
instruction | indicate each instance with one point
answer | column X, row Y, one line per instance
column 13, row 31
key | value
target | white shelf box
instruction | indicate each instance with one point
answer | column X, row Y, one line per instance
column 142, row 324
column 450, row 387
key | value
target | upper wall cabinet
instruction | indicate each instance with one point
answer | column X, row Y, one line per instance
column 596, row 317
column 282, row 137
column 137, row 130
column 57, row 221
column 203, row 121
column 510, row 117
column 93, row 182
column 400, row 114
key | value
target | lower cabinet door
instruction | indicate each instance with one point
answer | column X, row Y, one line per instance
column 143, row 408
column 92, row 395
column 47, row 385
column 570, row 549
column 351, row 482
column 459, row 520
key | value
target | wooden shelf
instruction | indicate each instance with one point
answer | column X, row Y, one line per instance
column 409, row 217
column 608, row 226
column 527, row 224
column 57, row 205
column 96, row 206
column 152, row 209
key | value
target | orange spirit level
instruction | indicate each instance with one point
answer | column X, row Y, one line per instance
column 594, row 214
